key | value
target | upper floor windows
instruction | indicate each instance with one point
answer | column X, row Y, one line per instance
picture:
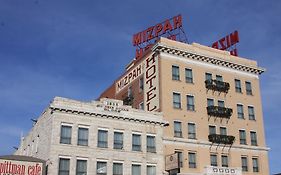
column 175, row 72
column 221, row 103
column 223, row 131
column 191, row 131
column 83, row 136
column 136, row 169
column 150, row 144
column 117, row 169
column 141, row 84
column 253, row 136
column 251, row 113
column 219, row 78
column 224, row 161
column 65, row 135
column 242, row 135
column 101, row 168
column 240, row 111
column 210, row 102
column 177, row 129
column 188, row 75
column 64, row 166
column 212, row 129
column 255, row 164
column 136, row 142
column 208, row 76
column 238, row 86
column 102, row 138
column 81, row 167
column 190, row 103
column 214, row 160
column 248, row 88
column 192, row 159
column 244, row 162
column 176, row 100
column 118, row 140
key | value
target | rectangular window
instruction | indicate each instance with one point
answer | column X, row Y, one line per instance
column 65, row 134
column 151, row 170
column 141, row 84
column 191, row 131
column 255, row 164
column 64, row 166
column 118, row 140
column 251, row 113
column 102, row 139
column 136, row 142
column 212, row 129
column 208, row 76
column 130, row 91
column 180, row 156
column 136, row 169
column 150, row 144
column 248, row 88
column 83, row 136
column 101, row 168
column 210, row 102
column 244, row 161
column 188, row 76
column 220, row 103
column 242, row 135
column 81, row 167
column 253, row 138
column 141, row 106
column 214, row 160
column 192, row 160
column 175, row 72
column 238, row 86
column 117, row 169
column 240, row 111
column 190, row 103
column 219, row 78
column 223, row 131
column 177, row 100
column 177, row 129
column 224, row 161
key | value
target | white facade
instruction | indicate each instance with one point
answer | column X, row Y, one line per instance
column 111, row 120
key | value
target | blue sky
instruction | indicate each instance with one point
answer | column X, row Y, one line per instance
column 76, row 49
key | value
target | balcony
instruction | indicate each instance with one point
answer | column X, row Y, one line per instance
column 221, row 139
column 216, row 85
column 220, row 112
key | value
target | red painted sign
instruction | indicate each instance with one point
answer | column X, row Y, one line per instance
column 227, row 42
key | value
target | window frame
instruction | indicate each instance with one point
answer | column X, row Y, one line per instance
column 190, row 106
column 240, row 114
column 135, row 146
column 105, row 162
column 191, row 135
column 249, row 91
column 176, row 104
column 101, row 142
column 82, row 141
column 244, row 167
column 188, row 79
column 117, row 145
column 238, row 87
column 254, row 140
column 212, row 163
column 81, row 172
column 62, row 138
column 115, row 164
column 178, row 133
column 192, row 164
column 175, row 72
column 243, row 141
column 151, row 148
column 251, row 115
column 63, row 171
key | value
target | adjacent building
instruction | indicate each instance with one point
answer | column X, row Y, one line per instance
column 96, row 138
column 211, row 100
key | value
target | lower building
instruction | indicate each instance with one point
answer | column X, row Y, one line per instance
column 96, row 138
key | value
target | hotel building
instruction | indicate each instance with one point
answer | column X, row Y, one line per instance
column 96, row 138
column 211, row 100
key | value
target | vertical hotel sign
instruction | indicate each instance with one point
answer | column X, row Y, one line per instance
column 149, row 69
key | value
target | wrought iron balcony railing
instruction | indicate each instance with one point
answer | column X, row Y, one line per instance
column 221, row 139
column 218, row 111
column 217, row 85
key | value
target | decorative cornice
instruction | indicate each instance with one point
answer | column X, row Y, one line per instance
column 211, row 60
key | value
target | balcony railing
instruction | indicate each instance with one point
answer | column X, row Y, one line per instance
column 221, row 139
column 216, row 85
column 218, row 111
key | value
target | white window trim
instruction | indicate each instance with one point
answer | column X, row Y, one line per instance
column 66, row 124
column 118, row 161
column 136, row 132
column 118, row 130
column 83, row 126
column 82, row 158
column 151, row 134
column 64, row 157
column 102, row 160
column 103, row 129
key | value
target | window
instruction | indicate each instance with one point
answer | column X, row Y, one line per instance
column 175, row 73
column 136, row 142
column 190, row 103
column 151, row 170
column 65, row 134
column 242, row 135
column 188, row 76
column 118, row 140
column 214, row 160
column 244, row 163
column 141, row 106
column 251, row 113
column 136, row 169
column 101, row 168
column 141, row 84
column 248, row 88
column 253, row 138
column 192, row 160
column 117, row 169
column 212, row 129
column 220, row 103
column 210, row 102
column 177, row 129
column 81, row 167
column 63, row 166
column 219, row 78
column 177, row 100
column 180, row 158
column 130, row 91
column 191, row 131
column 208, row 76
column 102, row 138
column 224, row 161
column 240, row 111
column 238, row 86
column 223, row 131
column 83, row 136
column 150, row 144
column 255, row 164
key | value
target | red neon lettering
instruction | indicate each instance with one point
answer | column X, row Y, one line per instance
column 234, row 38
column 139, row 53
column 215, row 45
column 177, row 21
column 234, row 52
column 150, row 35
column 222, row 43
column 227, row 41
column 137, row 39
column 158, row 28
column 167, row 26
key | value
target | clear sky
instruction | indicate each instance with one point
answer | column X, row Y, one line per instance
column 76, row 48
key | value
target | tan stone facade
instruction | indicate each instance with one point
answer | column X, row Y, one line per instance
column 47, row 141
column 182, row 93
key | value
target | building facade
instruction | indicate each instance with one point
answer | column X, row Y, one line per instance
column 211, row 100
column 96, row 138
